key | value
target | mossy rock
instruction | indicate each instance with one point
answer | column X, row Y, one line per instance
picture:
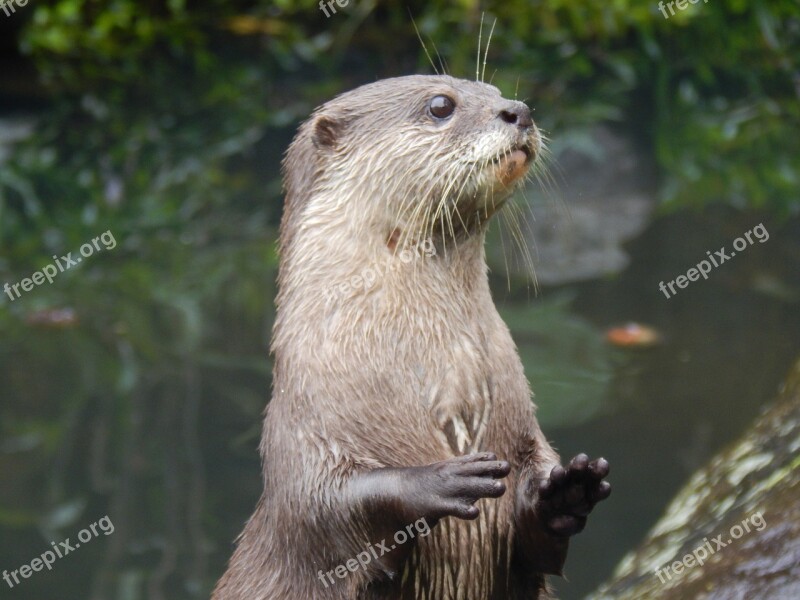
column 753, row 484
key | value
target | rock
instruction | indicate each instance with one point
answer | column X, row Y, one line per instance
column 740, row 514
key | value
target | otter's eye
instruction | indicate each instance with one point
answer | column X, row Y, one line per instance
column 442, row 107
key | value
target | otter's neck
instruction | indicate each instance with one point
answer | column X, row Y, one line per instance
column 335, row 271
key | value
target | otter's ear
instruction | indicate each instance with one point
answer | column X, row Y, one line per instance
column 327, row 131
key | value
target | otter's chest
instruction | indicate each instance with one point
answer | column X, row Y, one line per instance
column 457, row 390
column 460, row 560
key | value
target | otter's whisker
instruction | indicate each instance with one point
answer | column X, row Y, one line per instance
column 480, row 41
column 419, row 37
column 461, row 191
column 505, row 255
column 442, row 203
column 486, row 54
column 514, row 217
column 442, row 63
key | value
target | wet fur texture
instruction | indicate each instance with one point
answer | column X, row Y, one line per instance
column 372, row 387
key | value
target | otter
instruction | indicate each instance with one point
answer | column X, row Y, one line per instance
column 402, row 407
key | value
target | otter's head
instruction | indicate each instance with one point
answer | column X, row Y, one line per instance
column 419, row 155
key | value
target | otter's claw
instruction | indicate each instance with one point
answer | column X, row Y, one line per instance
column 569, row 494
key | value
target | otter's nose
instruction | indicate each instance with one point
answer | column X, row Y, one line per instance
column 517, row 114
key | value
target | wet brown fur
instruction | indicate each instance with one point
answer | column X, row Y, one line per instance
column 417, row 369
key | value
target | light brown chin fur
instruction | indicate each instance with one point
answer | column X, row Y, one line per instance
column 512, row 168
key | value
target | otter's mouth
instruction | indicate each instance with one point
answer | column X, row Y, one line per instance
column 523, row 151
column 511, row 166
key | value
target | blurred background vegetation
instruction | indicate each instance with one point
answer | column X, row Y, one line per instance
column 134, row 385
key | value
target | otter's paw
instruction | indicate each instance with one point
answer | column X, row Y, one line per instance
column 451, row 487
column 569, row 494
